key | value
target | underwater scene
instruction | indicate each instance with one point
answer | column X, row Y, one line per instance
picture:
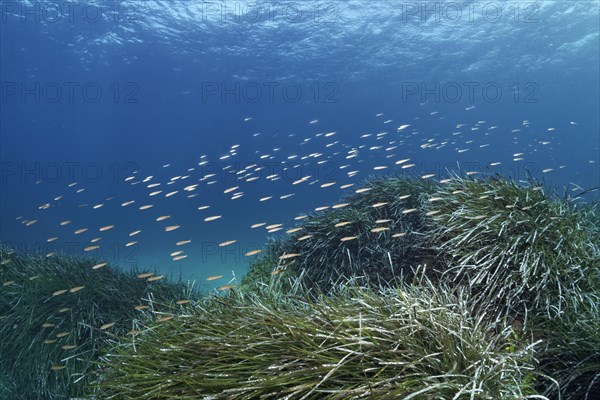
column 301, row 200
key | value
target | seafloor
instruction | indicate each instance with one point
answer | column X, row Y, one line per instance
column 409, row 289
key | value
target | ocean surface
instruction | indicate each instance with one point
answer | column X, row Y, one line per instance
column 223, row 115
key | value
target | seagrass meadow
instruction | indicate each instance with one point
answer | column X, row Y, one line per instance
column 58, row 314
column 407, row 289
column 305, row 200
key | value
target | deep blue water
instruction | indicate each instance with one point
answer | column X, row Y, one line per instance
column 96, row 92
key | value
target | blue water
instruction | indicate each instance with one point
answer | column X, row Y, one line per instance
column 96, row 92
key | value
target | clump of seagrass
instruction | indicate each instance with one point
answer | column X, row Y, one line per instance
column 375, row 233
column 512, row 244
column 51, row 312
column 518, row 249
column 570, row 353
column 532, row 258
column 356, row 343
column 571, row 350
column 526, row 256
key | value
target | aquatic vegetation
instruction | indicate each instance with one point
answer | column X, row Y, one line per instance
column 356, row 342
column 519, row 249
column 571, row 353
column 55, row 315
column 485, row 289
column 370, row 234
column 532, row 258
column 527, row 257
column 516, row 247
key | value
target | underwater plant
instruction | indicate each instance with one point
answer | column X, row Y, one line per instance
column 375, row 233
column 527, row 257
column 357, row 342
column 570, row 354
column 58, row 313
column 519, row 249
column 408, row 288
